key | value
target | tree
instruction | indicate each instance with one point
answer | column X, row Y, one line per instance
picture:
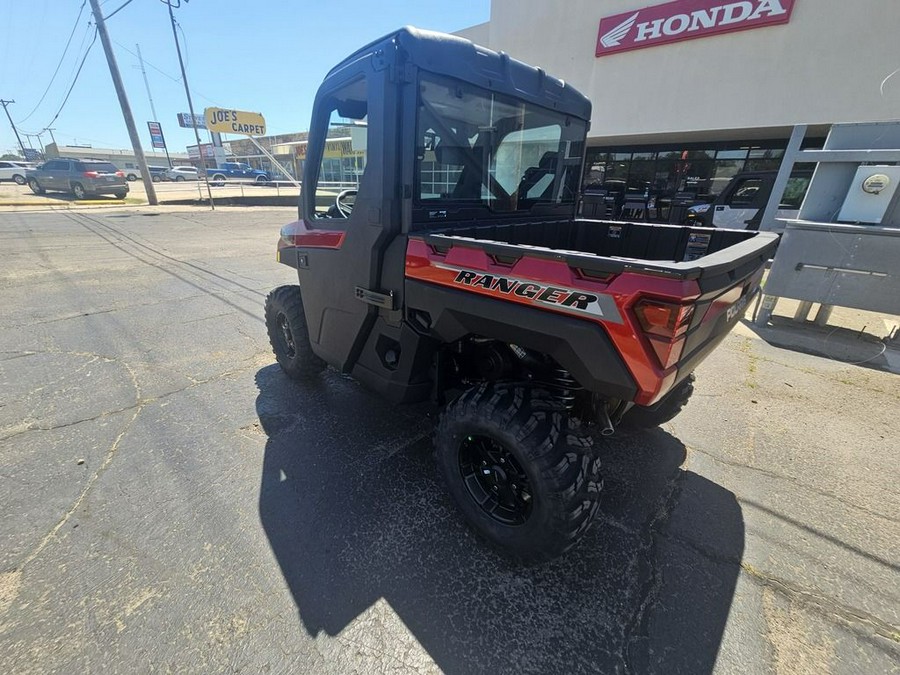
column 11, row 157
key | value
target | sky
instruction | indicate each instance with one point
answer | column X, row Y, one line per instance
column 265, row 56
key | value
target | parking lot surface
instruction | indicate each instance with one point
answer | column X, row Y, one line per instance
column 172, row 503
column 166, row 191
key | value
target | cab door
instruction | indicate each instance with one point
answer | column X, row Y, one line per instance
column 746, row 196
column 347, row 215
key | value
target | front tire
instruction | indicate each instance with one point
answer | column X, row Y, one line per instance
column 35, row 187
column 218, row 180
column 120, row 195
column 20, row 180
column 288, row 335
column 521, row 471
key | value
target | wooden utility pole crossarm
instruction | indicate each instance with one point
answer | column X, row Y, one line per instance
column 123, row 101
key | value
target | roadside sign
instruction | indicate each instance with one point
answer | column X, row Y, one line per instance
column 31, row 155
column 205, row 150
column 184, row 120
column 156, row 135
column 235, row 122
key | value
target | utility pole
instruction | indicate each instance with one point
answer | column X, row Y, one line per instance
column 51, row 130
column 15, row 131
column 123, row 102
column 146, row 82
column 152, row 108
column 187, row 91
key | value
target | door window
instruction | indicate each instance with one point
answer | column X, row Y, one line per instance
column 342, row 166
column 745, row 193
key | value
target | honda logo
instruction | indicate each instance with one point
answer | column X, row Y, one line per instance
column 686, row 20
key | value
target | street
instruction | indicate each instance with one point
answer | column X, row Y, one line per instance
column 166, row 191
column 171, row 502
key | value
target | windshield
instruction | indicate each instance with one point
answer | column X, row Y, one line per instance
column 99, row 167
column 479, row 148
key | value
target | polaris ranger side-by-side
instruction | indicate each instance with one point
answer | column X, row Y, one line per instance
column 458, row 271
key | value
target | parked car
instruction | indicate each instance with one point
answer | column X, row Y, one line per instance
column 239, row 171
column 14, row 171
column 740, row 205
column 81, row 177
column 157, row 173
column 182, row 173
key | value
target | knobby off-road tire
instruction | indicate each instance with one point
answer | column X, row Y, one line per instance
column 532, row 438
column 286, row 325
column 672, row 403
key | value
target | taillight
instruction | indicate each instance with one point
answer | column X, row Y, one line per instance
column 665, row 324
column 664, row 319
column 90, row 174
column 120, row 174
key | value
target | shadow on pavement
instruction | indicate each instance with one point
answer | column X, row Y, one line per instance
column 836, row 343
column 354, row 513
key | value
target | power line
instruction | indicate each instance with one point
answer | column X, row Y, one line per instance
column 58, row 65
column 77, row 73
column 121, row 7
column 161, row 71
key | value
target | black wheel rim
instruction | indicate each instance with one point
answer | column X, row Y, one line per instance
column 495, row 480
column 287, row 336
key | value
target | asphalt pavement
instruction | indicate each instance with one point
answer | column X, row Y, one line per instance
column 170, row 502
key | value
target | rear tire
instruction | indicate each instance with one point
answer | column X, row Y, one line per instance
column 640, row 417
column 155, row 179
column 288, row 335
column 78, row 191
column 35, row 187
column 131, row 177
column 521, row 471
column 262, row 179
column 179, row 179
column 20, row 180
column 120, row 195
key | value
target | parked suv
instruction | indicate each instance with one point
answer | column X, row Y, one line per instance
column 14, row 171
column 182, row 173
column 741, row 204
column 81, row 177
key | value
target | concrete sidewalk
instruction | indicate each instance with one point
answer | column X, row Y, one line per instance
column 851, row 336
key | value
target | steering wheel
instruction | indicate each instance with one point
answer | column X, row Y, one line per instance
column 344, row 209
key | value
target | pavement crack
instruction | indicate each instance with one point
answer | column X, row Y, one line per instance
column 34, row 427
column 795, row 481
column 823, row 604
column 635, row 642
column 110, row 454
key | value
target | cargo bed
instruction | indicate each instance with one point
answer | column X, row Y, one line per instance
column 714, row 257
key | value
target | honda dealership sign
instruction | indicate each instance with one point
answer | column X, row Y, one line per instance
column 686, row 20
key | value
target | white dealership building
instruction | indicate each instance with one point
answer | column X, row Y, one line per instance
column 688, row 93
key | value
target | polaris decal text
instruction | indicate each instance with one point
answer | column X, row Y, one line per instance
column 597, row 305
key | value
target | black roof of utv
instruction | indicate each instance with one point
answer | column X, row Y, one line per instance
column 460, row 58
